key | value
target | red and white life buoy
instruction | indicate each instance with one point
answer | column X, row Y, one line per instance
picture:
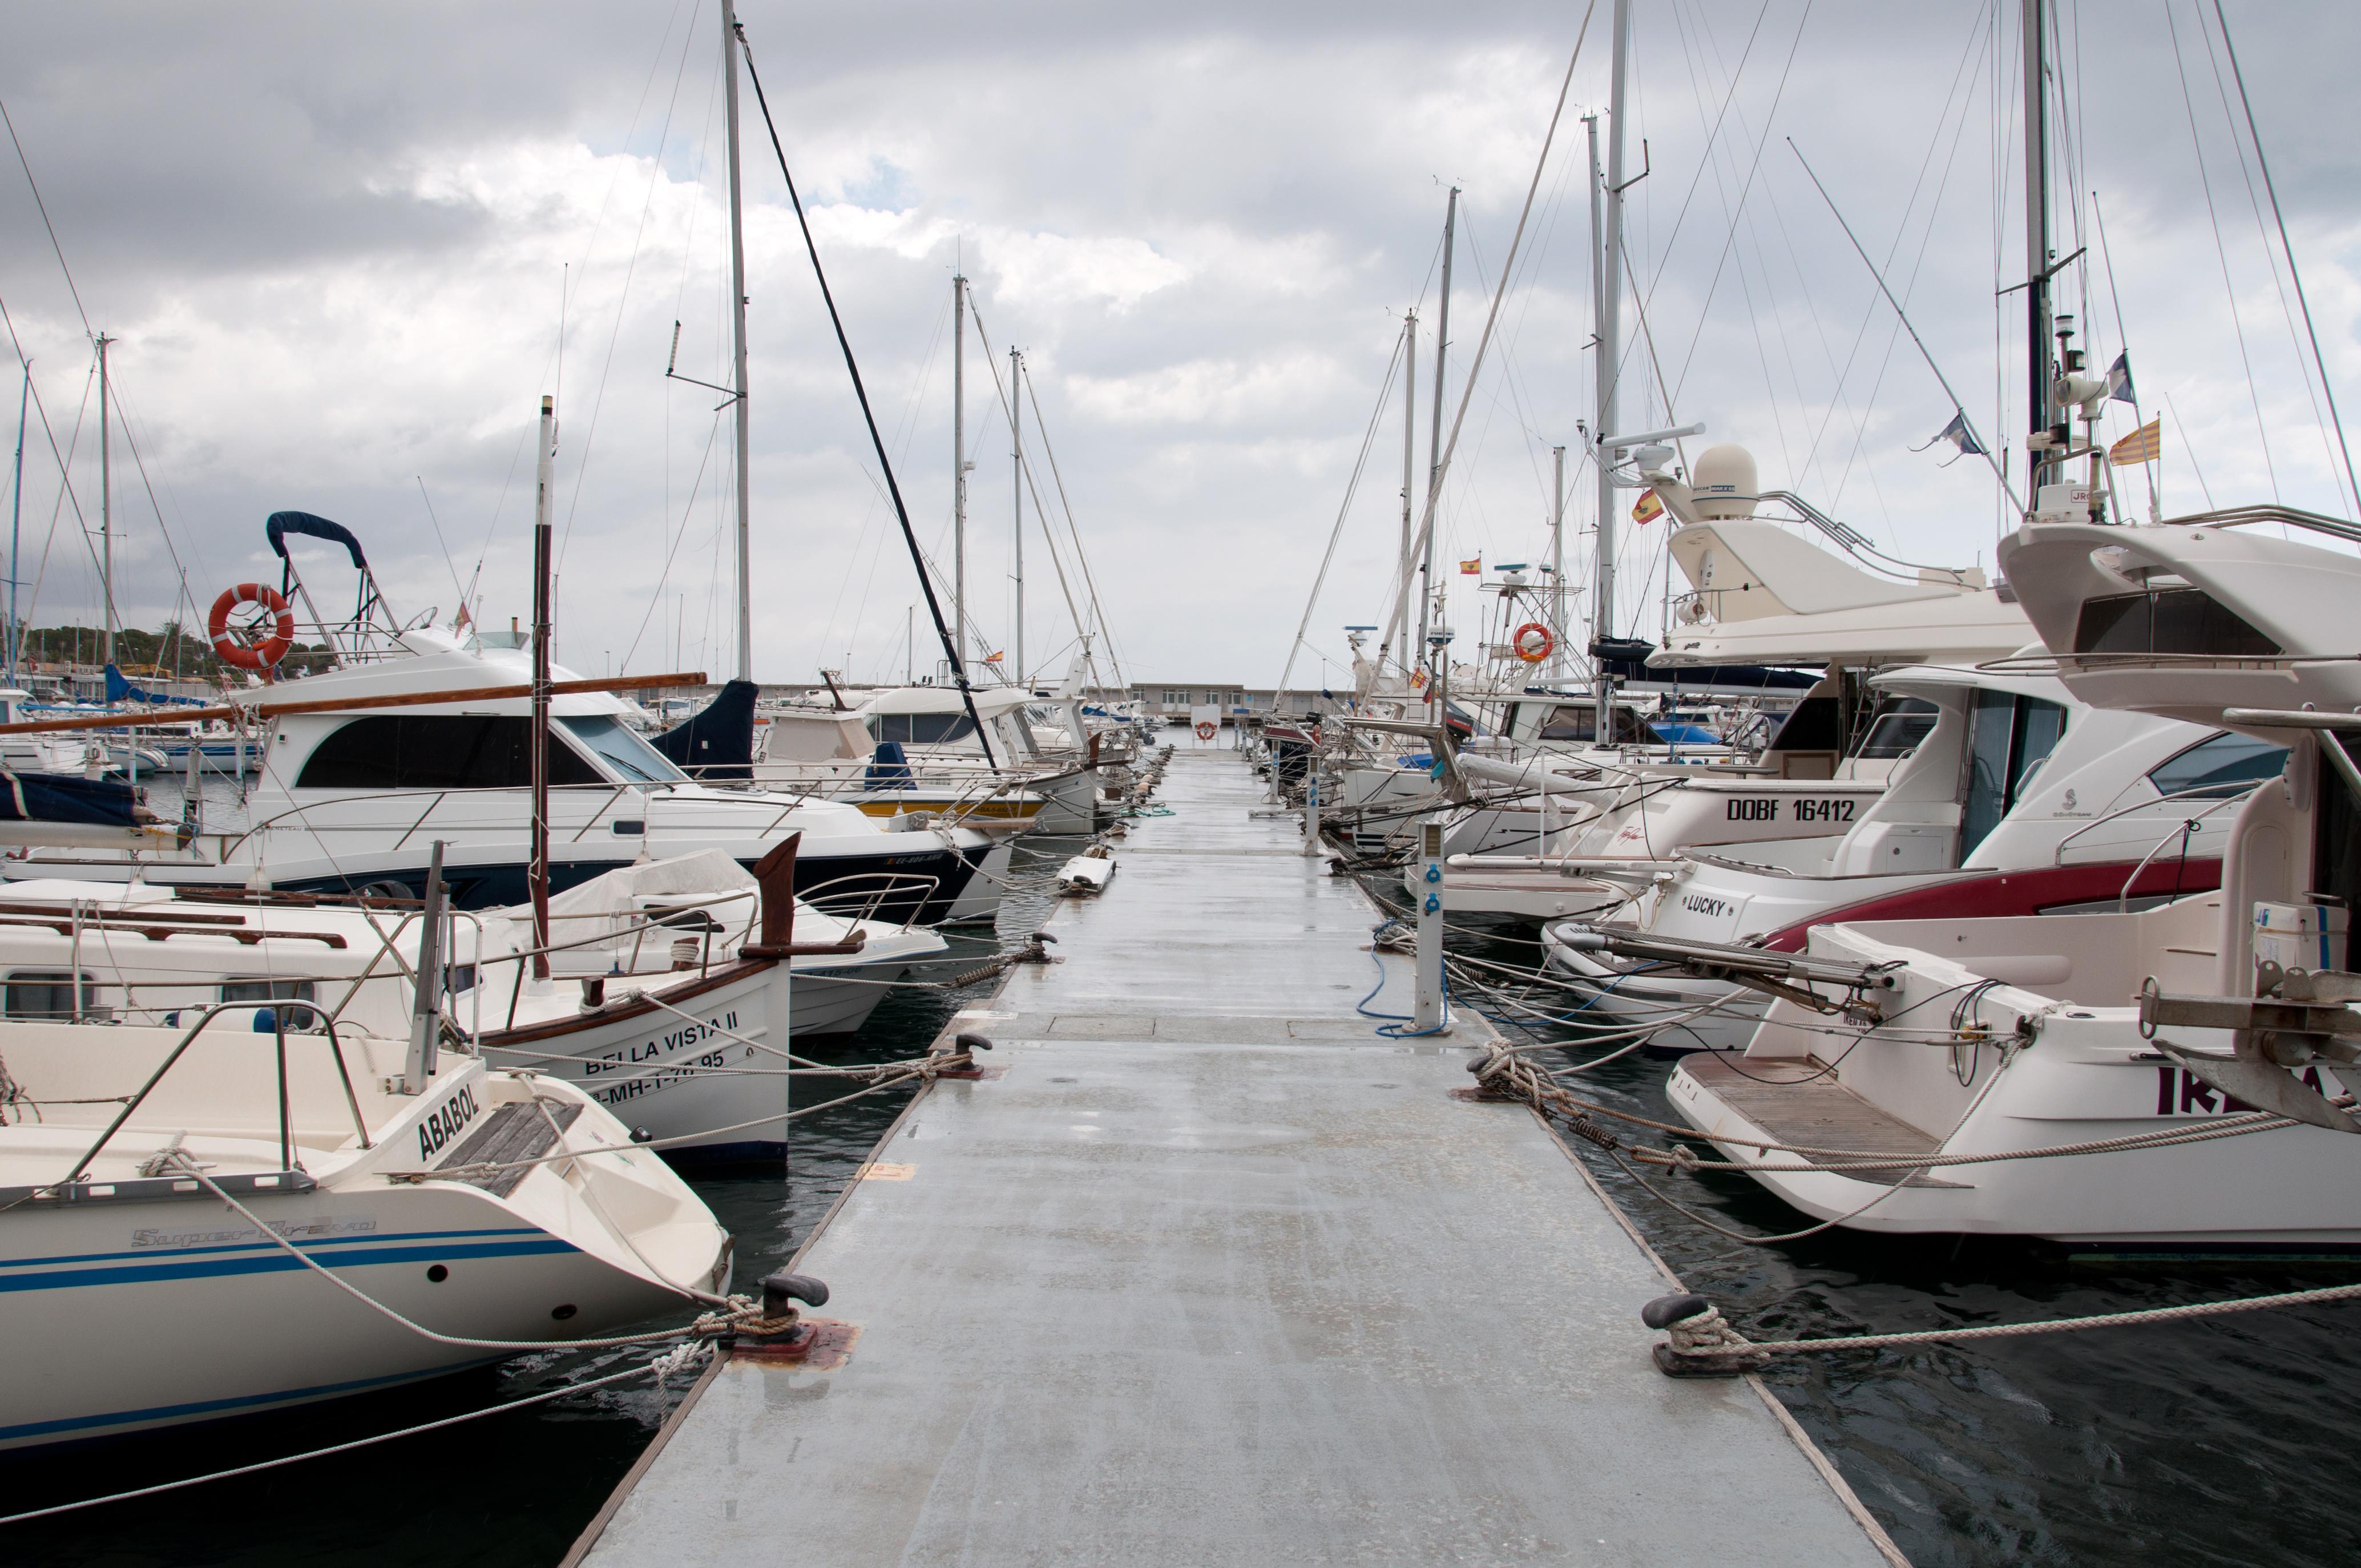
column 262, row 656
column 1207, row 730
column 1534, row 642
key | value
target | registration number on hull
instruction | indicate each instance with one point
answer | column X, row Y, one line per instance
column 1750, row 808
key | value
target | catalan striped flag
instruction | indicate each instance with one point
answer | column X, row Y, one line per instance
column 1647, row 508
column 2144, row 444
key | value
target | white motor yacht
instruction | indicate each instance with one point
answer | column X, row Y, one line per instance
column 349, row 801
column 2221, row 1022
column 2015, row 799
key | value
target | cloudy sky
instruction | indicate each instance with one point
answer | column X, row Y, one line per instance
column 346, row 249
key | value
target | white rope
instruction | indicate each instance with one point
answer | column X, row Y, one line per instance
column 2064, row 1325
column 180, row 1159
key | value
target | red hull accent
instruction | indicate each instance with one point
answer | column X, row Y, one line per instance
column 1985, row 895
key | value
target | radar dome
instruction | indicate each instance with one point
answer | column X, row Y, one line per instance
column 1723, row 483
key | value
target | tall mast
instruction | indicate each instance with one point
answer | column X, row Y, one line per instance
column 1610, row 313
column 105, row 508
column 959, row 462
column 1410, row 448
column 1434, row 439
column 537, row 872
column 16, row 516
column 738, row 324
column 1557, row 564
column 2037, row 242
column 1017, row 462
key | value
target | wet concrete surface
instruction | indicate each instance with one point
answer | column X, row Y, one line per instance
column 1208, row 1271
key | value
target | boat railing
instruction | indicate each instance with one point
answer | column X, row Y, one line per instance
column 2270, row 512
column 2196, row 792
column 860, row 895
column 81, row 1169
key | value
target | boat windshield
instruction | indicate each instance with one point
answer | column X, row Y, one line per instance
column 632, row 759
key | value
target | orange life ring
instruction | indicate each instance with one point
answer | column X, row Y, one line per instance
column 1207, row 730
column 1539, row 646
column 263, row 655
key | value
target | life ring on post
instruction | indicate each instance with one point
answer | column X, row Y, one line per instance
column 1534, row 642
column 1207, row 730
column 263, row 655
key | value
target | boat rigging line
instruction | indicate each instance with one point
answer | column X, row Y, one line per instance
column 853, row 368
column 1441, row 465
column 1352, row 487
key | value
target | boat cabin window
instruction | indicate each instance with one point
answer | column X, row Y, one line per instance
column 2167, row 620
column 2219, row 767
column 1895, row 728
column 1578, row 721
column 2336, row 831
column 1815, row 724
column 2009, row 737
column 298, row 1019
column 920, row 729
column 632, row 759
column 419, row 750
column 48, row 994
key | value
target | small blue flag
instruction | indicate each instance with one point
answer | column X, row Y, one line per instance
column 1960, row 434
column 2119, row 380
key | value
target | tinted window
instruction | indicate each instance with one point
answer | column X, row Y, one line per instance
column 922, row 729
column 44, row 994
column 2169, row 621
column 2219, row 767
column 437, row 751
column 1815, row 725
column 1897, row 727
column 633, row 760
column 2008, row 739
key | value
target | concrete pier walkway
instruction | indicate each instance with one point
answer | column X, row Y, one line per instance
column 1210, row 1273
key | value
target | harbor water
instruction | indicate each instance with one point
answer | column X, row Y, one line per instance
column 2171, row 1445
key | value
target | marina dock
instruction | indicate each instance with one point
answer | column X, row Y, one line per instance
column 1207, row 1271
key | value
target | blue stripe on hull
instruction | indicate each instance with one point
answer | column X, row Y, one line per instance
column 274, row 1263
column 357, row 1240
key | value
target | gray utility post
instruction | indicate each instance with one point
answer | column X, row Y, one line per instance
column 1427, row 1013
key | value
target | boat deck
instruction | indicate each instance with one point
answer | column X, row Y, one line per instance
column 1209, row 1272
column 1800, row 1102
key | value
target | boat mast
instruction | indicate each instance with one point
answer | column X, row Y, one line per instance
column 105, row 508
column 738, row 324
column 537, row 872
column 16, row 516
column 2039, row 408
column 1016, row 483
column 1434, row 439
column 959, row 461
column 1609, row 309
column 1557, row 564
column 1409, row 450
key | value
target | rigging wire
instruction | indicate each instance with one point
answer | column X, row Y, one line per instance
column 2205, row 182
column 2271, row 189
column 1320, row 578
column 902, row 513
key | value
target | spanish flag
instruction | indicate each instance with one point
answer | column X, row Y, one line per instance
column 991, row 658
column 1472, row 568
column 1647, row 508
column 2142, row 445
